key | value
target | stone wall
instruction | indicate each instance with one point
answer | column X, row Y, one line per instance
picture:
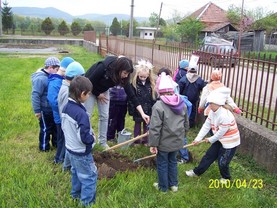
column 259, row 143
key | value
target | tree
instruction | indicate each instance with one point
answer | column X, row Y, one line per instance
column 47, row 26
column 7, row 17
column 115, row 27
column 63, row 28
column 153, row 19
column 189, row 29
column 75, row 28
column 88, row 27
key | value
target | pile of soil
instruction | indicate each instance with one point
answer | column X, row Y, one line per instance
column 109, row 163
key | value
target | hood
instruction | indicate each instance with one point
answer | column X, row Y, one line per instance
column 39, row 73
column 192, row 77
column 175, row 103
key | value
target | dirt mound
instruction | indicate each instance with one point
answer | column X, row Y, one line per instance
column 109, row 163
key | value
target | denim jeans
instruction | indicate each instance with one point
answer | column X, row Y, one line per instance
column 59, row 157
column 216, row 152
column 184, row 153
column 103, row 113
column 66, row 161
column 84, row 178
column 167, row 170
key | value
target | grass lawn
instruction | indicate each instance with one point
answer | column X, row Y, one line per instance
column 30, row 179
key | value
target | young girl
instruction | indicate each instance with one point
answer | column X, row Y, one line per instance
column 225, row 137
column 143, row 86
column 214, row 84
column 103, row 75
column 168, row 126
column 79, row 139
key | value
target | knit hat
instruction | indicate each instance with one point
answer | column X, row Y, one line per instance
column 193, row 68
column 164, row 84
column 216, row 75
column 74, row 69
column 183, row 64
column 219, row 96
column 52, row 61
column 65, row 62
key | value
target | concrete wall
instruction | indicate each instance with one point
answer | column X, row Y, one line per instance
column 259, row 143
column 90, row 46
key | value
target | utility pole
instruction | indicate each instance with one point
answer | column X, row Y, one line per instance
column 155, row 33
column 240, row 27
column 0, row 18
column 131, row 20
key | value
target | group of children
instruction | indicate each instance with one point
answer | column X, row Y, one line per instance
column 61, row 95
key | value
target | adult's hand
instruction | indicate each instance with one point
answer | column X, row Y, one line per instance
column 38, row 115
column 102, row 98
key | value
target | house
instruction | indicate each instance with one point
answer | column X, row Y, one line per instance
column 147, row 32
column 214, row 19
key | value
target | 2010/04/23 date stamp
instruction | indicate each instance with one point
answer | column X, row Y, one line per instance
column 236, row 183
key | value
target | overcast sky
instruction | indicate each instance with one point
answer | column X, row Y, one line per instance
column 142, row 8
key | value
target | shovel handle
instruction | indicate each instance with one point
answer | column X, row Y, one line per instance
column 146, row 157
column 154, row 155
column 127, row 142
column 189, row 145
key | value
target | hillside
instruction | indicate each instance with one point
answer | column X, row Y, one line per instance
column 56, row 13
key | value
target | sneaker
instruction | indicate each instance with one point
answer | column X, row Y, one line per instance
column 182, row 161
column 105, row 146
column 190, row 173
column 174, row 188
column 156, row 185
column 223, row 181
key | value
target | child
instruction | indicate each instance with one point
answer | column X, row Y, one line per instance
column 79, row 139
column 117, row 111
column 74, row 69
column 225, row 139
column 213, row 85
column 191, row 85
column 184, row 153
column 143, row 87
column 40, row 104
column 54, row 85
column 168, row 126
column 181, row 71
column 111, row 71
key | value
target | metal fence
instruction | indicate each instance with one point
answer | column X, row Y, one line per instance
column 252, row 79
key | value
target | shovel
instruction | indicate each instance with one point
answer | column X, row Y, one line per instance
column 127, row 142
column 154, row 155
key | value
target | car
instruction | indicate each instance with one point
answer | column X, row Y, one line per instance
column 217, row 54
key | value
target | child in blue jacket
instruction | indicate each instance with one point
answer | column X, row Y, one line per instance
column 79, row 139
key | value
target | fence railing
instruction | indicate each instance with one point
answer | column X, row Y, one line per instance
column 252, row 80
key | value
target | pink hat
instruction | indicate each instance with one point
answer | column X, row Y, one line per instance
column 164, row 84
column 216, row 75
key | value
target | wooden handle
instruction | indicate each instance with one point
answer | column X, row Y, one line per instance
column 127, row 142
column 146, row 157
column 189, row 145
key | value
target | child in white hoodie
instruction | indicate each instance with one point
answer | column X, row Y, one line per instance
column 225, row 137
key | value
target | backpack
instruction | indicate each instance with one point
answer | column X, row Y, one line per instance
column 103, row 65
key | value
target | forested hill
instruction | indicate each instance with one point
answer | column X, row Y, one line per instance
column 56, row 13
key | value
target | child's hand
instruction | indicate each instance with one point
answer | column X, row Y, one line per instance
column 237, row 111
column 206, row 140
column 153, row 150
column 200, row 110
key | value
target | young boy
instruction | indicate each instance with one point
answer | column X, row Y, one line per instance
column 79, row 139
column 225, row 137
column 74, row 69
column 168, row 126
column 54, row 85
column 40, row 104
column 191, row 86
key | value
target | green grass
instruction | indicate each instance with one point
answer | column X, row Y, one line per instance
column 29, row 178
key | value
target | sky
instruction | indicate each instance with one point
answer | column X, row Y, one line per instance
column 142, row 8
